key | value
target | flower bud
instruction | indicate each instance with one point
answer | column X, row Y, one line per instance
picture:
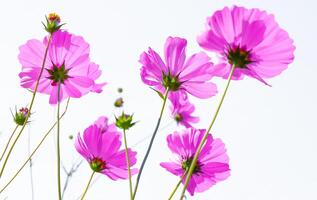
column 21, row 116
column 124, row 121
column 52, row 23
column 120, row 90
column 119, row 102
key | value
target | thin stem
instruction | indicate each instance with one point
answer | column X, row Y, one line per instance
column 177, row 185
column 150, row 145
column 58, row 144
column 128, row 163
column 30, row 164
column 175, row 189
column 7, row 145
column 92, row 175
column 69, row 175
column 34, row 151
column 149, row 135
column 202, row 142
column 30, row 108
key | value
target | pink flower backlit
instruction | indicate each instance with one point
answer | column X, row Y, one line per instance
column 67, row 63
column 182, row 110
column 212, row 164
column 251, row 40
column 177, row 73
column 100, row 146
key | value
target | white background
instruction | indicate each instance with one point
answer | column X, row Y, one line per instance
column 270, row 133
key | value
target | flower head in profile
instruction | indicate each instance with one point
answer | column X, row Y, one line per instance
column 67, row 65
column 177, row 73
column 182, row 110
column 53, row 21
column 212, row 164
column 100, row 146
column 251, row 40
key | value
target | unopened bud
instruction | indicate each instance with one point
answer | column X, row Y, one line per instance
column 21, row 116
column 119, row 102
column 124, row 121
column 120, row 90
column 52, row 23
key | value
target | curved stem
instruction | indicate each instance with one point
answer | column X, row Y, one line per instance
column 34, row 151
column 58, row 144
column 92, row 175
column 150, row 145
column 202, row 142
column 7, row 145
column 30, row 108
column 128, row 163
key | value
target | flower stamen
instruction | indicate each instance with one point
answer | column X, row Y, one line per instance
column 239, row 57
column 186, row 165
column 171, row 82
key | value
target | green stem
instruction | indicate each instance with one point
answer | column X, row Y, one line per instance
column 58, row 144
column 128, row 163
column 175, row 189
column 34, row 151
column 177, row 186
column 30, row 108
column 202, row 142
column 7, row 145
column 92, row 175
column 150, row 145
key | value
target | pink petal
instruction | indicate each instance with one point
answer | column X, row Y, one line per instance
column 253, row 34
column 81, row 148
column 111, row 144
column 197, row 68
column 172, row 167
column 119, row 159
column 71, row 90
column 53, row 95
column 93, row 140
column 82, row 81
column 175, row 54
column 222, row 23
column 32, row 54
column 59, row 47
column 200, row 89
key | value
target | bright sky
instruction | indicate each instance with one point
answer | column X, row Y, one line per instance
column 270, row 133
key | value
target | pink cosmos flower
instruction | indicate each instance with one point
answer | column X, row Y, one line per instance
column 67, row 63
column 177, row 73
column 251, row 40
column 100, row 146
column 212, row 164
column 182, row 110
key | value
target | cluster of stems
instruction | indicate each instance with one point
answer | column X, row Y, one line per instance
column 187, row 175
column 24, row 125
column 190, row 171
column 185, row 178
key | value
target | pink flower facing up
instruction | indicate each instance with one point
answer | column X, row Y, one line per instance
column 182, row 110
column 251, row 40
column 212, row 164
column 100, row 146
column 176, row 73
column 67, row 63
